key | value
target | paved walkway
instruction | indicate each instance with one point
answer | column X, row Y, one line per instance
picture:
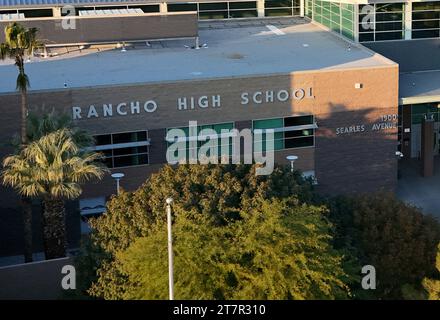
column 417, row 190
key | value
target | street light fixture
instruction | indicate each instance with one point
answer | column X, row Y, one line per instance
column 169, row 201
column 292, row 159
column 117, row 176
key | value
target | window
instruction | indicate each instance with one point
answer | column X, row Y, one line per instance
column 213, row 10
column 290, row 132
column 425, row 20
column 147, row 8
column 194, row 151
column 339, row 17
column 179, row 7
column 123, row 149
column 419, row 111
column 309, row 8
column 36, row 13
column 281, row 8
column 245, row 9
column 218, row 10
column 387, row 22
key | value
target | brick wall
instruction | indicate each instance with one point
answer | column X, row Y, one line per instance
column 113, row 29
column 349, row 162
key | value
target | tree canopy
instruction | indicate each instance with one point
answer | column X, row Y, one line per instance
column 273, row 251
column 394, row 237
column 239, row 234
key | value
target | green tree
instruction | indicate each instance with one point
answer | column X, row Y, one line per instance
column 394, row 237
column 276, row 250
column 432, row 286
column 219, row 191
column 52, row 168
column 20, row 41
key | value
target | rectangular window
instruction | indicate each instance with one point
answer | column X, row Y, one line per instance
column 181, row 7
column 147, row 8
column 213, row 10
column 218, row 130
column 419, row 111
column 36, row 13
column 281, row 8
column 290, row 132
column 244, row 9
column 386, row 24
column 425, row 20
column 123, row 149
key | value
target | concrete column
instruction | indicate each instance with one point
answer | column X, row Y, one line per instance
column 56, row 12
column 356, row 23
column 302, row 8
column 260, row 8
column 427, row 150
column 163, row 8
column 408, row 20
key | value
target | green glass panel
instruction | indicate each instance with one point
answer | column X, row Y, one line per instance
column 268, row 123
column 348, row 33
column 277, row 3
column 277, row 12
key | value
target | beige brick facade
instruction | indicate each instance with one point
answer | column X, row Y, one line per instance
column 359, row 161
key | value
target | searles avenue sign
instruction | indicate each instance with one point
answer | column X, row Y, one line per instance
column 189, row 103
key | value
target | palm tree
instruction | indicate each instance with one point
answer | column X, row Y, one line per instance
column 52, row 168
column 41, row 125
column 20, row 41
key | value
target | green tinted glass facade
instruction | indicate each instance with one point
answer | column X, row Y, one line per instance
column 309, row 8
column 339, row 17
column 290, row 132
column 419, row 111
column 216, row 127
column 425, row 20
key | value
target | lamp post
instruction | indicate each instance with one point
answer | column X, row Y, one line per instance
column 292, row 159
column 169, row 201
column 117, row 176
column 399, row 156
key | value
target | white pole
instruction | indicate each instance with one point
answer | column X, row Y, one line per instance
column 170, row 251
column 117, row 176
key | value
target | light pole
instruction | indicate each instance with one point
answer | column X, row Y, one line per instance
column 399, row 156
column 292, row 159
column 169, row 201
column 117, row 176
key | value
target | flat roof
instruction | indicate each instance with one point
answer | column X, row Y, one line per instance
column 233, row 49
column 411, row 55
column 419, row 87
column 9, row 4
column 419, row 67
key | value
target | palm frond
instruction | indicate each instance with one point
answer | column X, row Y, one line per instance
column 51, row 166
column 22, row 82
